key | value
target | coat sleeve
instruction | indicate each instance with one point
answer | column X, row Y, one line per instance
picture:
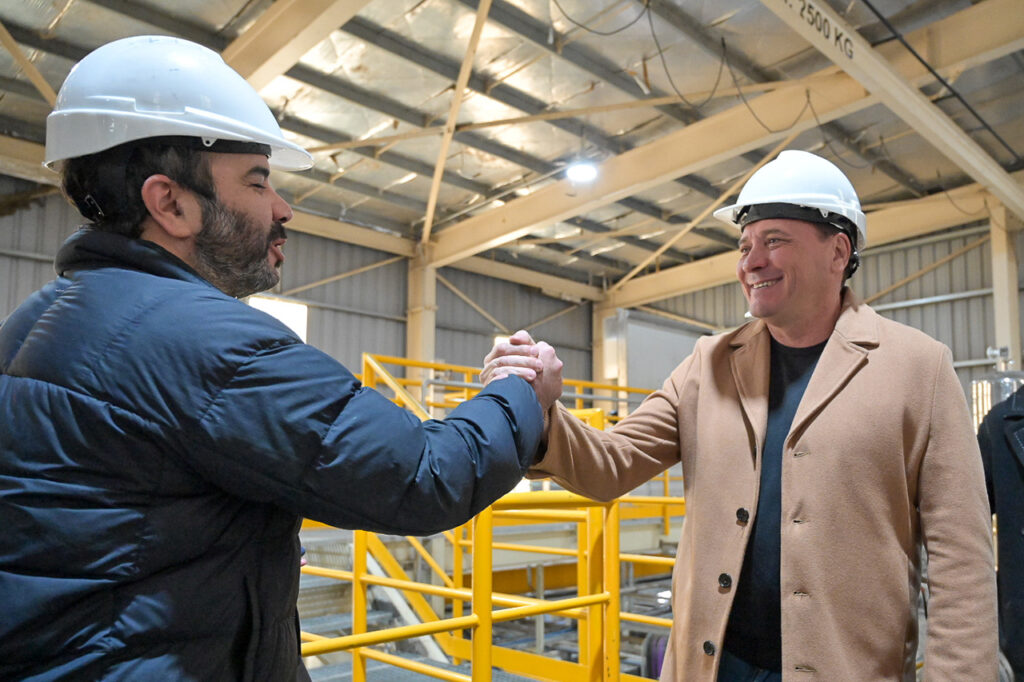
column 956, row 527
column 604, row 465
column 294, row 428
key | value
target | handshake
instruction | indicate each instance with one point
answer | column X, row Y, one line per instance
column 535, row 362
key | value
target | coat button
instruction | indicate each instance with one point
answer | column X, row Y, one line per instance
column 742, row 515
column 725, row 581
column 709, row 648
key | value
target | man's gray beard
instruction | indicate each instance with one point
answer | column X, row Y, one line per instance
column 231, row 250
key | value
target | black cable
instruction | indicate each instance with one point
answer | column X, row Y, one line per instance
column 938, row 179
column 739, row 91
column 664, row 65
column 586, row 28
column 824, row 138
column 945, row 83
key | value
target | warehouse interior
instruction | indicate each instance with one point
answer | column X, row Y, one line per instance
column 444, row 210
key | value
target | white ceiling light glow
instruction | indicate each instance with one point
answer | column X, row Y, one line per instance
column 581, row 172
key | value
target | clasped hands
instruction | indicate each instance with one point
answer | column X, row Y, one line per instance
column 535, row 362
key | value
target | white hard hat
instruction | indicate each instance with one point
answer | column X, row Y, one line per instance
column 158, row 86
column 802, row 180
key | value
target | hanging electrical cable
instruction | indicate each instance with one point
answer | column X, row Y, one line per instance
column 739, row 91
column 828, row 143
column 668, row 74
column 943, row 81
column 586, row 28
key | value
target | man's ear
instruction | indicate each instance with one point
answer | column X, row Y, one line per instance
column 842, row 250
column 171, row 207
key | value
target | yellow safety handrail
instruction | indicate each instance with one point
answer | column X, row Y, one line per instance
column 596, row 606
column 467, row 388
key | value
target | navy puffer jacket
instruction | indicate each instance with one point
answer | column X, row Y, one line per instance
column 159, row 443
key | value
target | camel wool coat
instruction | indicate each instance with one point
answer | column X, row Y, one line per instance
column 881, row 456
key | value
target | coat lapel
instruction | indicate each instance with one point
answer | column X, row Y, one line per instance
column 750, row 363
column 845, row 353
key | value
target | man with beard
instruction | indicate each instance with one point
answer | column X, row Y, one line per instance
column 161, row 439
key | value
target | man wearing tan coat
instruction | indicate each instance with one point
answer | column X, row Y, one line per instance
column 821, row 445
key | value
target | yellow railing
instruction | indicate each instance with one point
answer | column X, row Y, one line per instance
column 461, row 383
column 596, row 606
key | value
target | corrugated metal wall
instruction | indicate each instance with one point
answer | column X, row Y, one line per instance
column 29, row 239
column 464, row 336
column 361, row 313
column 364, row 312
column 963, row 322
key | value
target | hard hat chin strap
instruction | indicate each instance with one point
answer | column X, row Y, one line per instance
column 105, row 198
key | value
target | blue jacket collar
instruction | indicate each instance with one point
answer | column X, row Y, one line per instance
column 89, row 249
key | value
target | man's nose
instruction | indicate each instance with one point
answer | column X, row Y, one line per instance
column 282, row 211
column 756, row 257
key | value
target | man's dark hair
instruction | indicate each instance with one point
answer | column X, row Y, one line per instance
column 827, row 230
column 107, row 186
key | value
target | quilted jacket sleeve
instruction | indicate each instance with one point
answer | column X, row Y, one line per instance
column 294, row 428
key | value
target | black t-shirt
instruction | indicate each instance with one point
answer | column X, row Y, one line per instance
column 754, row 632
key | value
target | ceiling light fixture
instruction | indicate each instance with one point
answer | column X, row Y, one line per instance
column 581, row 172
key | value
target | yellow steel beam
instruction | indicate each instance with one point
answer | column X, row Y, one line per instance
column 22, row 159
column 351, row 234
column 985, row 31
column 465, row 72
column 553, row 316
column 1005, row 282
column 934, row 265
column 681, row 279
column 342, row 275
column 44, row 88
column 555, row 287
column 834, row 37
column 473, row 304
column 421, row 316
column 714, row 329
column 287, row 30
